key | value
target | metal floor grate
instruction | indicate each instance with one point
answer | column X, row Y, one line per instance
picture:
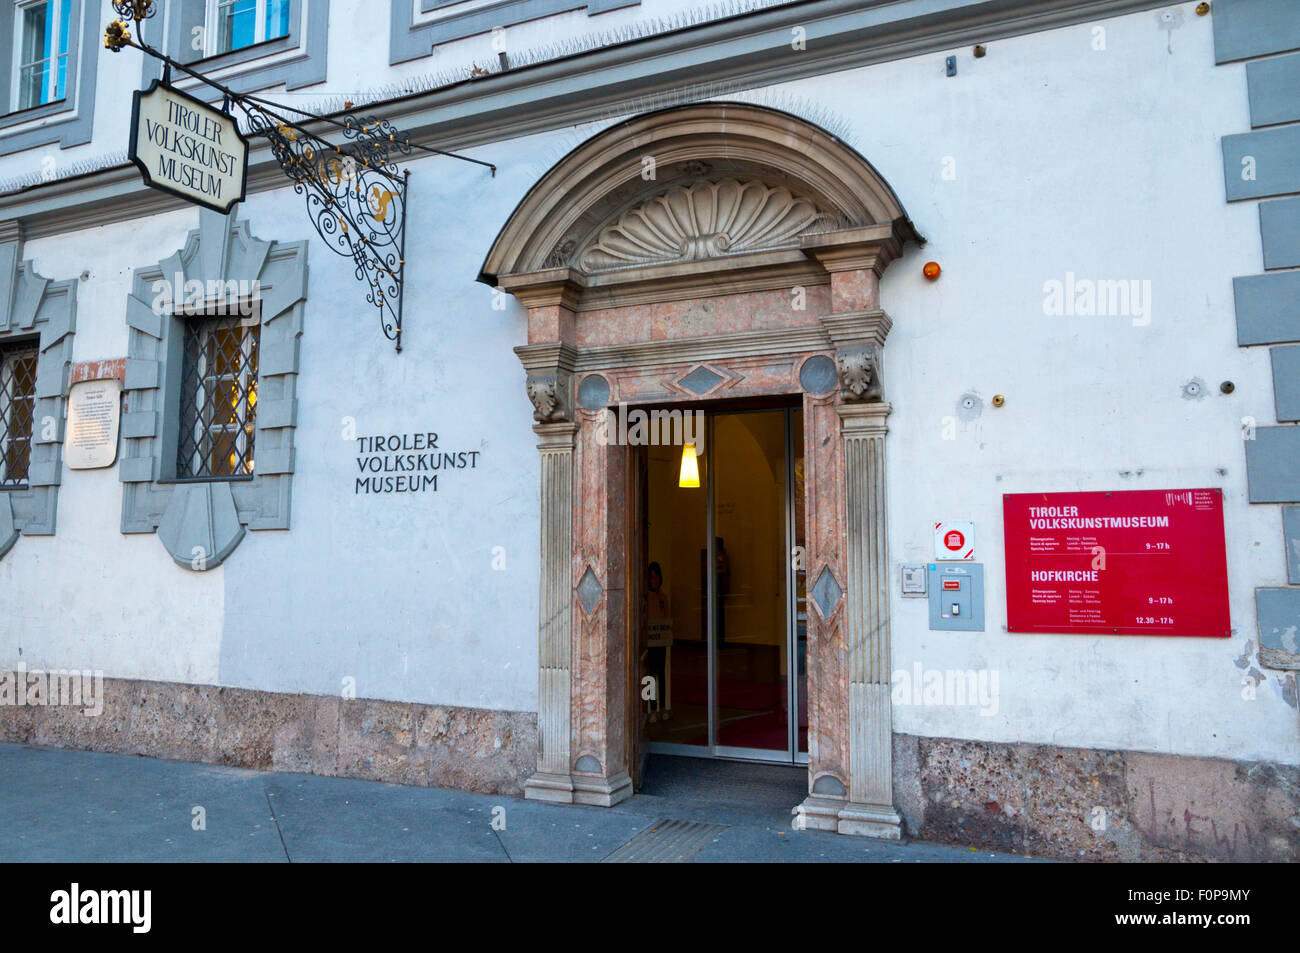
column 666, row 842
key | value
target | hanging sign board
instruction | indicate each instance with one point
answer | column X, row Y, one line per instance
column 183, row 146
column 1128, row 562
column 94, row 411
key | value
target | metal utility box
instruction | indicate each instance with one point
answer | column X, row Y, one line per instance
column 914, row 581
column 957, row 596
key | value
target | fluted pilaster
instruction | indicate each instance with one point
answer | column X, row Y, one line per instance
column 870, row 808
column 553, row 782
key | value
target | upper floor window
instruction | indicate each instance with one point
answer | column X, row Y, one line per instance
column 17, row 403
column 40, row 59
column 218, row 398
column 251, row 44
column 236, row 24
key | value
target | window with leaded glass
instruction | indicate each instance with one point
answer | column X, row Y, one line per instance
column 17, row 403
column 218, row 398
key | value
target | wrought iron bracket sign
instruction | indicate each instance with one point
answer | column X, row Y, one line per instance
column 356, row 199
column 355, row 192
column 183, row 146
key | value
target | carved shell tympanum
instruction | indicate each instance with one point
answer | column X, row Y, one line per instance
column 703, row 220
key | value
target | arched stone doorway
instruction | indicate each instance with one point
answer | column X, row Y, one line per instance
column 708, row 251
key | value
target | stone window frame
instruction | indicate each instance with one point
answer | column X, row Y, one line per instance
column 201, row 522
column 36, row 309
column 68, row 121
column 410, row 40
column 260, row 66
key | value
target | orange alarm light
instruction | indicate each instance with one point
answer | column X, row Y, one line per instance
column 932, row 270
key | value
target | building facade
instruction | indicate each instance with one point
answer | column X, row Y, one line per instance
column 911, row 266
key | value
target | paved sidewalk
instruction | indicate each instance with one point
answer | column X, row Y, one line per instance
column 76, row 806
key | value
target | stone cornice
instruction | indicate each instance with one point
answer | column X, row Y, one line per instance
column 743, row 52
column 547, row 358
column 871, row 247
column 543, row 289
column 857, row 328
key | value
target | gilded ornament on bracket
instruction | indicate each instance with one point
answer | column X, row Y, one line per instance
column 136, row 10
column 116, row 36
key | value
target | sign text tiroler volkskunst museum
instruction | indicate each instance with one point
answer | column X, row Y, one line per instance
column 183, row 146
column 406, row 463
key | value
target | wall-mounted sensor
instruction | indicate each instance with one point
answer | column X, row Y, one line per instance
column 998, row 400
column 951, row 63
column 1227, row 387
column 980, row 51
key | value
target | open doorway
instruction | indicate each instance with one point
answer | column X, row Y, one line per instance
column 723, row 626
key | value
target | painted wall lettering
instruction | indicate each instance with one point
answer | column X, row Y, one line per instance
column 406, row 462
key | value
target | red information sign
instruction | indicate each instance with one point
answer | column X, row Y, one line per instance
column 1129, row 562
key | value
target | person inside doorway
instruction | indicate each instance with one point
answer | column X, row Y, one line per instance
column 657, row 600
column 659, row 622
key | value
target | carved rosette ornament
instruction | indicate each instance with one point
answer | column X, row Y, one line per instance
column 859, row 375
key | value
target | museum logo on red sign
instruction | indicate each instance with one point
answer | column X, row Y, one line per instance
column 1127, row 562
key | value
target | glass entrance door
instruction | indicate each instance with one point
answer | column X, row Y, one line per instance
column 723, row 606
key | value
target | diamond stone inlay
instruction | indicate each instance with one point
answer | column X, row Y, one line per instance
column 589, row 590
column 827, row 592
column 701, row 380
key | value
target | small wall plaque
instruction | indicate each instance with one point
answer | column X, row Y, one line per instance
column 94, row 412
column 914, row 581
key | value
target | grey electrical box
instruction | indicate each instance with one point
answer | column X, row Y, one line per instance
column 957, row 596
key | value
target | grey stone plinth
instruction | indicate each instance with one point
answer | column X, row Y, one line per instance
column 869, row 820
